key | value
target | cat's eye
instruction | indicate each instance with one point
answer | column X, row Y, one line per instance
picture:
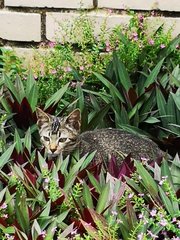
column 62, row 140
column 46, row 138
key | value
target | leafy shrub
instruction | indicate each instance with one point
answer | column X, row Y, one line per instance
column 71, row 198
column 77, row 60
column 10, row 63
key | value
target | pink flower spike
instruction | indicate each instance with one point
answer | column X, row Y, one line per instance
column 140, row 17
column 51, row 44
column 107, row 43
column 151, row 42
column 108, row 49
column 162, row 46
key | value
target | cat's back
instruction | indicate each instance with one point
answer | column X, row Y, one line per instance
column 118, row 142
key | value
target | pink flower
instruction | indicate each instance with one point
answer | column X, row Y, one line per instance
column 53, row 71
column 53, row 229
column 51, row 44
column 141, row 216
column 74, row 232
column 119, row 221
column 114, row 213
column 107, row 44
column 140, row 17
column 35, row 76
column 152, row 13
column 151, row 42
column 163, row 222
column 153, row 212
column 108, row 49
column 43, row 234
column 152, row 235
column 140, row 236
column 135, row 36
column 3, row 206
column 81, row 68
column 68, row 69
column 162, row 46
column 109, row 11
column 130, row 195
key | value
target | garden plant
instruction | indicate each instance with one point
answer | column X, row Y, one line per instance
column 129, row 81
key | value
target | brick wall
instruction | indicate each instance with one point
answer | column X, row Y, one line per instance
column 26, row 23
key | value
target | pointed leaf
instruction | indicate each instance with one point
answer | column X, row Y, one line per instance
column 103, row 199
column 153, row 75
column 56, row 97
column 4, row 158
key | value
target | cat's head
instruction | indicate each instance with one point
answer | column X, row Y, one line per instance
column 58, row 134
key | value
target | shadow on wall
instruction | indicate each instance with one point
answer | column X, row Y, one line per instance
column 1, row 3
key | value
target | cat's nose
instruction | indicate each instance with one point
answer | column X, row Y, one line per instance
column 53, row 150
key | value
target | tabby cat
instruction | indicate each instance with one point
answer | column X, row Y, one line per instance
column 62, row 135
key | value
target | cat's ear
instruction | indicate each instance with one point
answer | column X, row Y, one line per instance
column 74, row 119
column 42, row 117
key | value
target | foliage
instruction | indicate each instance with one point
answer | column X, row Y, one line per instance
column 10, row 63
column 41, row 199
column 72, row 197
column 76, row 60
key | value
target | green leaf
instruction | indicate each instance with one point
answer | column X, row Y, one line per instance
column 21, row 210
column 27, row 140
column 110, row 86
column 165, row 171
column 152, row 120
column 35, row 229
column 12, row 88
column 20, row 87
column 131, row 216
column 167, row 202
column 122, row 75
column 18, row 142
column 33, row 97
column 4, row 158
column 87, row 196
column 46, row 211
column 30, row 82
column 2, row 193
column 94, row 182
column 103, row 199
column 62, row 216
column 56, row 97
column 147, row 180
column 176, row 97
column 80, row 97
column 90, row 230
column 99, row 115
column 133, row 185
column 153, row 75
column 161, row 106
